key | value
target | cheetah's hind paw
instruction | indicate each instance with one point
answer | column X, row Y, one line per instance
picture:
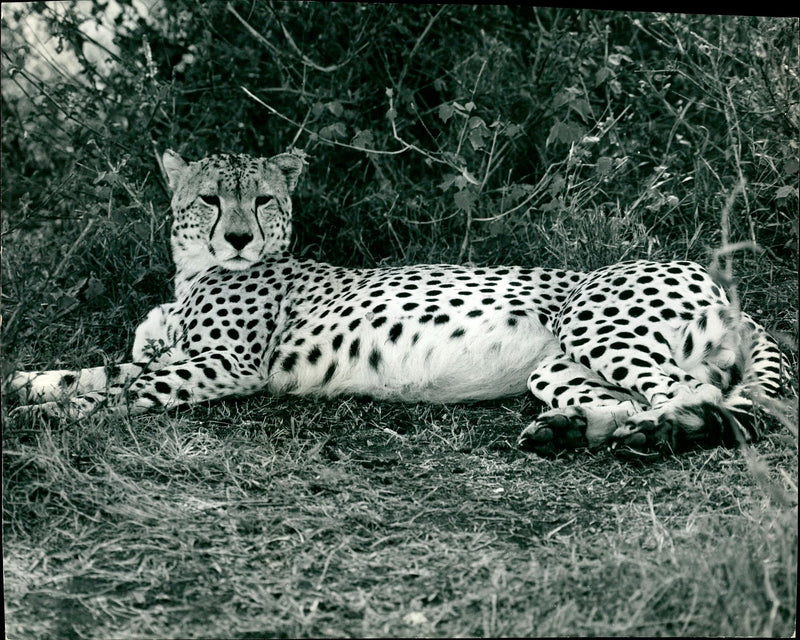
column 677, row 429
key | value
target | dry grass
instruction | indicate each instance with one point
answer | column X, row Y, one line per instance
column 303, row 518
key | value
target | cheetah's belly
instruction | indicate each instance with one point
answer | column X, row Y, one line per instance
column 483, row 361
column 437, row 333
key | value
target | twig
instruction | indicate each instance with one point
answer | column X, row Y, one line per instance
column 78, row 241
column 251, row 31
column 553, row 532
column 726, row 249
column 314, row 134
column 536, row 191
column 308, row 61
column 328, row 563
column 466, row 119
column 468, row 225
column 422, row 36
column 301, row 128
column 276, row 51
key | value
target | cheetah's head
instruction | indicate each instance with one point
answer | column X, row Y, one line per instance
column 230, row 210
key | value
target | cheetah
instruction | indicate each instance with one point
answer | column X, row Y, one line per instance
column 643, row 355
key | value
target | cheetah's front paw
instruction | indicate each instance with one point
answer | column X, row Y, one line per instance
column 574, row 427
column 554, row 431
column 46, row 411
column 74, row 409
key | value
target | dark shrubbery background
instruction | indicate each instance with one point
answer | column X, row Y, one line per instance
column 553, row 137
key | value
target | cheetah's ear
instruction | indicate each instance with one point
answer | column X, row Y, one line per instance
column 174, row 167
column 291, row 166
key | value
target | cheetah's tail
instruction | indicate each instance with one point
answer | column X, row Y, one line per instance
column 765, row 376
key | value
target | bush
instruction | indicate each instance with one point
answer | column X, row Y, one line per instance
column 488, row 134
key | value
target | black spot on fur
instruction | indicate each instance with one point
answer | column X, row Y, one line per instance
column 619, row 373
column 314, row 354
column 289, row 361
column 395, row 331
column 329, row 373
column 688, row 346
column 374, row 359
column 163, row 387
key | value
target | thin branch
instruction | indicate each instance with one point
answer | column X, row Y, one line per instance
column 422, row 36
column 414, row 147
column 406, row 146
column 314, row 134
column 251, row 31
column 308, row 61
column 276, row 51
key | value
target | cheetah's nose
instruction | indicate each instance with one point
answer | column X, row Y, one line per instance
column 239, row 240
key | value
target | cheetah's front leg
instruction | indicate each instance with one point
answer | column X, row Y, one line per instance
column 209, row 376
column 39, row 387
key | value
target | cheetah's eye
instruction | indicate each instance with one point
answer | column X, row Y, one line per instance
column 211, row 200
column 262, row 200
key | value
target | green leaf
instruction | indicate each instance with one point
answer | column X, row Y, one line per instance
column 556, row 185
column 566, row 132
column 555, row 133
column 478, row 132
column 333, row 131
column 567, row 96
column 790, row 166
column 448, row 181
column 465, row 179
column 603, row 73
column 477, row 139
column 335, row 107
column 94, row 288
column 517, row 192
column 465, row 200
column 65, row 302
column 363, row 140
column 615, row 59
column 581, row 107
column 786, row 191
column 604, row 165
column 554, row 205
column 446, row 111
column 317, row 108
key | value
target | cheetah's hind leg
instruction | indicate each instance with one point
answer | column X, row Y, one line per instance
column 586, row 411
column 706, row 416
